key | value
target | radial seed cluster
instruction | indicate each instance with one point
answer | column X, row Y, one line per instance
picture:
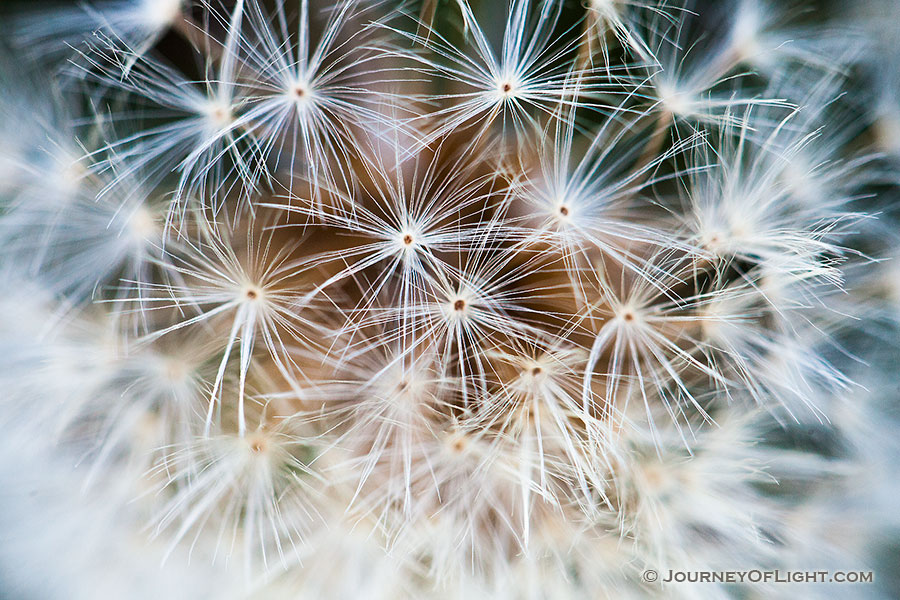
column 446, row 299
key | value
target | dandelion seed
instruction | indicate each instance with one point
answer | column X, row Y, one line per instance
column 406, row 227
column 212, row 280
column 585, row 201
column 662, row 492
column 638, row 333
column 307, row 103
column 690, row 83
column 260, row 482
column 514, row 85
column 198, row 141
column 743, row 210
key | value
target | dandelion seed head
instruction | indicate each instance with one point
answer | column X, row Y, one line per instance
column 175, row 370
column 658, row 480
column 799, row 178
column 406, row 388
column 375, row 307
column 409, row 241
column 460, row 449
column 259, row 444
column 716, row 241
column 563, row 213
column 535, row 371
column 68, row 176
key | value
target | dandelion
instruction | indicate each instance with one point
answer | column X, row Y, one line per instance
column 389, row 405
column 539, row 403
column 671, row 491
column 478, row 302
column 522, row 299
column 470, row 504
column 642, row 339
column 761, row 222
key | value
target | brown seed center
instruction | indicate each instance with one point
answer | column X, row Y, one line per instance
column 407, row 239
column 252, row 294
column 536, row 371
column 459, row 304
column 564, row 211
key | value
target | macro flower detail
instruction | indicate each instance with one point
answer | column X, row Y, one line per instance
column 446, row 299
